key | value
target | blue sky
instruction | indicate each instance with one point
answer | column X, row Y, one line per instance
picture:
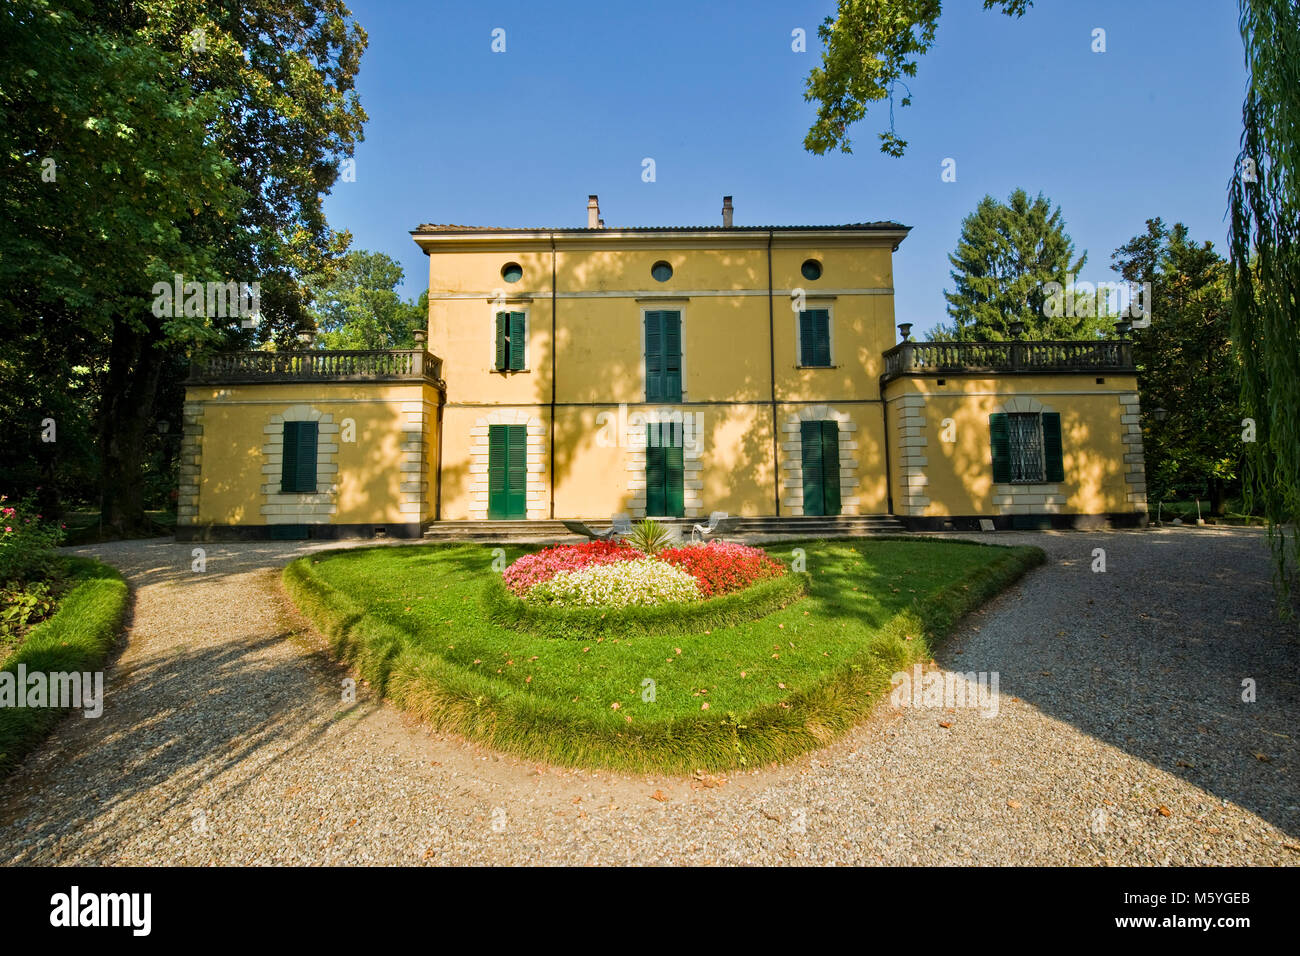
column 714, row 93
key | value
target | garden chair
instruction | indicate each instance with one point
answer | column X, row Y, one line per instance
column 579, row 527
column 700, row 532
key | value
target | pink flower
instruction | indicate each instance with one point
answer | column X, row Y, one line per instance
column 7, row 530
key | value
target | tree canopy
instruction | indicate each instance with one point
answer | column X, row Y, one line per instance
column 1006, row 256
column 870, row 45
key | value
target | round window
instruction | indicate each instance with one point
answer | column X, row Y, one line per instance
column 512, row 272
column 811, row 269
column 662, row 271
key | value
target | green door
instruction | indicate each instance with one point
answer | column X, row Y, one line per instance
column 507, row 471
column 821, row 467
column 663, row 471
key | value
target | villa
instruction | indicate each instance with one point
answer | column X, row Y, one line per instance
column 664, row 371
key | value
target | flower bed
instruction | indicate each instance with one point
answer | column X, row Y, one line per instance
column 720, row 567
column 533, row 569
column 614, row 574
column 642, row 582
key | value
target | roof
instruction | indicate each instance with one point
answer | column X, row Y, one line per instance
column 879, row 226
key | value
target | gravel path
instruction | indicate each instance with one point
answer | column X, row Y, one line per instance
column 1121, row 737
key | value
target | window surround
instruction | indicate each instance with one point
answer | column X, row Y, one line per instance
column 510, row 306
column 811, row 303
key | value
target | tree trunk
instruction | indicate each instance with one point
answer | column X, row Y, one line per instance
column 1218, row 497
column 131, row 384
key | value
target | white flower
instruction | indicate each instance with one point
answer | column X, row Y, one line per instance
column 642, row 582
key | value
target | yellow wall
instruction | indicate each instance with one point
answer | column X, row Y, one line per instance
column 236, row 422
column 959, row 474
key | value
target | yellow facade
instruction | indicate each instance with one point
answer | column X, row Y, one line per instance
column 917, row 447
column 943, row 463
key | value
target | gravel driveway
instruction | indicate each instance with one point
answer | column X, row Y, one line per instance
column 1121, row 738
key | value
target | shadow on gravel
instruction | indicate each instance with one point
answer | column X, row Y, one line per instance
column 172, row 725
column 1150, row 657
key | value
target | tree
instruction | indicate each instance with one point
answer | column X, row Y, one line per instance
column 1185, row 364
column 191, row 139
column 1005, row 258
column 359, row 308
column 870, row 46
column 1264, row 209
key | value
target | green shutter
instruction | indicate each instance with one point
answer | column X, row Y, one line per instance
column 805, row 338
column 1052, row 457
column 289, row 458
column 656, row 469
column 672, row 357
column 298, row 458
column 664, row 471
column 517, row 471
column 810, row 442
column 507, row 472
column 654, row 362
column 815, row 338
column 674, row 479
column 497, row 458
column 822, row 342
column 831, row 467
column 1000, row 439
column 517, row 341
column 663, row 356
column 503, row 333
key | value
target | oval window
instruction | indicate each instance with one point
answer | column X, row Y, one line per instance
column 512, row 272
column 662, row 271
column 811, row 269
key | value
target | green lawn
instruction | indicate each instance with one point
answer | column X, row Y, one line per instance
column 412, row 620
column 76, row 638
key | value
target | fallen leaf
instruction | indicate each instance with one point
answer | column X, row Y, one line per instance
column 704, row 706
column 1163, row 810
column 1014, row 804
column 614, row 706
column 945, row 724
column 658, row 795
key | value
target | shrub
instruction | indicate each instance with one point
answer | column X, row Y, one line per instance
column 27, row 542
column 649, row 537
column 22, row 607
column 533, row 569
column 721, row 567
column 643, row 582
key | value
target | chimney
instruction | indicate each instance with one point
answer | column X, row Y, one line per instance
column 593, row 213
column 727, row 210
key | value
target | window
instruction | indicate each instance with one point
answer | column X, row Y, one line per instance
column 811, row 269
column 661, row 271
column 512, row 272
column 507, row 472
column 298, row 458
column 664, row 471
column 1026, row 447
column 512, row 338
column 663, row 356
column 815, row 338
